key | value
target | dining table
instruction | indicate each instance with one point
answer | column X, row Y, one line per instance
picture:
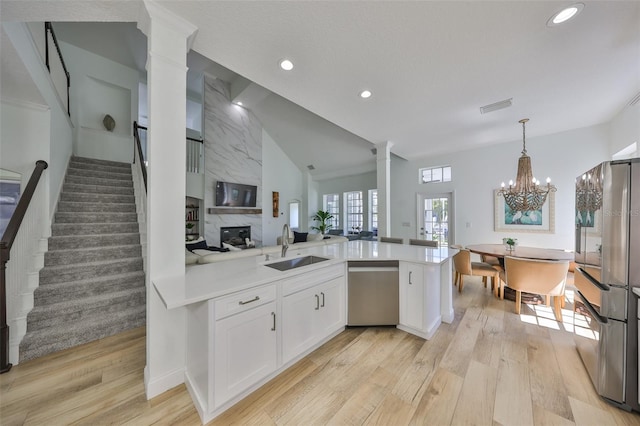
column 500, row 251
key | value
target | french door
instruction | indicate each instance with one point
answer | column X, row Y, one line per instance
column 435, row 218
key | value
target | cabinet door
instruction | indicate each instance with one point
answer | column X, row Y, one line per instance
column 412, row 295
column 300, row 318
column 332, row 306
column 245, row 351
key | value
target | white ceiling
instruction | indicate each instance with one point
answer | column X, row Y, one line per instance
column 430, row 65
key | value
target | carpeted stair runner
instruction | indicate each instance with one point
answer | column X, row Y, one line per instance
column 92, row 284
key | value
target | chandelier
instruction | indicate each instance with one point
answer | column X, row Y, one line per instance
column 526, row 194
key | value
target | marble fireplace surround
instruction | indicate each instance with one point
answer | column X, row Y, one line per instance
column 233, row 153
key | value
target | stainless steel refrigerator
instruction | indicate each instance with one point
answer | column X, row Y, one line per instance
column 608, row 268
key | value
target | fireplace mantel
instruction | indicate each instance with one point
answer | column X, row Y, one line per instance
column 233, row 210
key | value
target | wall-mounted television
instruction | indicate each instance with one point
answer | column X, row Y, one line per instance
column 235, row 194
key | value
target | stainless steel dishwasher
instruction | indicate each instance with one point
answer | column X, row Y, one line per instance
column 373, row 295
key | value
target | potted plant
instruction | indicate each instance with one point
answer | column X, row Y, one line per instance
column 511, row 243
column 189, row 226
column 323, row 219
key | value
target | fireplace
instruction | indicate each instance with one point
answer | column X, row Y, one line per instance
column 235, row 235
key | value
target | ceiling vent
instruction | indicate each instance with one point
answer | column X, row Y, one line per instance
column 311, row 167
column 496, row 106
column 374, row 151
column 635, row 99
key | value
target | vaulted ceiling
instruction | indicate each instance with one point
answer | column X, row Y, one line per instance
column 431, row 65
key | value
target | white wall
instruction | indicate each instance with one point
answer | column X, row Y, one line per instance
column 625, row 129
column 281, row 175
column 100, row 86
column 477, row 173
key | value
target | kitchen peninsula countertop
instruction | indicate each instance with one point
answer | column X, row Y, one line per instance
column 204, row 282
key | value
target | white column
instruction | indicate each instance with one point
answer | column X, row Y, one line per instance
column 168, row 40
column 384, row 183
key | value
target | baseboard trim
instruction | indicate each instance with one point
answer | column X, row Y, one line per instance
column 158, row 385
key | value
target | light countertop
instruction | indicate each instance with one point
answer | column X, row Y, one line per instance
column 203, row 282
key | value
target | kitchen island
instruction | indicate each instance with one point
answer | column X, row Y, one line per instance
column 247, row 322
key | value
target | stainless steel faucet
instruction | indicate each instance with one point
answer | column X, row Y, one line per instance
column 285, row 238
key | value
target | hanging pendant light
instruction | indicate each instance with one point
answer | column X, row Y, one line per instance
column 526, row 194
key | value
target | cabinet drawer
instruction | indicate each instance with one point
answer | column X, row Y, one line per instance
column 295, row 284
column 244, row 300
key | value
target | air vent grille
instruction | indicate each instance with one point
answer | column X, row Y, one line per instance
column 496, row 106
column 635, row 99
column 311, row 167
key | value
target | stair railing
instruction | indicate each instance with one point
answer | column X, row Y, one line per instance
column 48, row 32
column 6, row 242
column 195, row 155
column 138, row 148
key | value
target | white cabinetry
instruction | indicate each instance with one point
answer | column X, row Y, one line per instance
column 411, row 295
column 419, row 299
column 311, row 310
column 245, row 351
column 232, row 344
column 235, row 342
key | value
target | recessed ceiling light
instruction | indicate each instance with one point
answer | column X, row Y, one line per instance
column 365, row 94
column 565, row 14
column 239, row 103
column 286, row 65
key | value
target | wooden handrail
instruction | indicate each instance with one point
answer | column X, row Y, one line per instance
column 49, row 28
column 138, row 146
column 5, row 249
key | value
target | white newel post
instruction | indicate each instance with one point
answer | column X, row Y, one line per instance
column 168, row 38
column 383, row 158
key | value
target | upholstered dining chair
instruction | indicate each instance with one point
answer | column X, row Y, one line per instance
column 491, row 260
column 391, row 240
column 428, row 243
column 544, row 277
column 464, row 266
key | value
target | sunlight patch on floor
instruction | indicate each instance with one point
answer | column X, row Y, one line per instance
column 544, row 316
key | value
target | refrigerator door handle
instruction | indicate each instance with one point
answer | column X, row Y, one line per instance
column 601, row 320
column 598, row 284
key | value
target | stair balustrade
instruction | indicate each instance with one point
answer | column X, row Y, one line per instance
column 56, row 65
column 6, row 242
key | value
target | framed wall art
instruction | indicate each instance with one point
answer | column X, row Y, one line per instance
column 541, row 221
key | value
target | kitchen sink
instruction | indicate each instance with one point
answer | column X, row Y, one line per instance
column 298, row 262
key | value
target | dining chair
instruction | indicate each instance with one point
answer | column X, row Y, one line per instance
column 544, row 277
column 491, row 260
column 428, row 243
column 391, row 240
column 464, row 266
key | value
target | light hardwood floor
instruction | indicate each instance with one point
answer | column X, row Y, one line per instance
column 489, row 367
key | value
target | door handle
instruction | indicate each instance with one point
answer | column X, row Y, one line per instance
column 273, row 314
column 317, row 302
column 322, row 305
column 410, row 272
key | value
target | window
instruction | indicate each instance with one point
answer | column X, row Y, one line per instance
column 353, row 207
column 435, row 174
column 373, row 209
column 294, row 214
column 331, row 204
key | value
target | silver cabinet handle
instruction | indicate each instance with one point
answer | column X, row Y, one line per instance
column 322, row 305
column 410, row 272
column 317, row 302
column 273, row 314
column 255, row 299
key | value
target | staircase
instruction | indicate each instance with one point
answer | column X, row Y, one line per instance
column 92, row 284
